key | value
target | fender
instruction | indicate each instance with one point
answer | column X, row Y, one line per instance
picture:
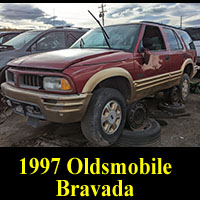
column 105, row 74
column 187, row 62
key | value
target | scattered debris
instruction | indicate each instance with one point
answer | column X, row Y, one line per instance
column 3, row 110
column 182, row 138
column 195, row 87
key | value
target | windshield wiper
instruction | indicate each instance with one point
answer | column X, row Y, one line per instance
column 103, row 30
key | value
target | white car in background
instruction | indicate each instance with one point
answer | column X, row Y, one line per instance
column 195, row 35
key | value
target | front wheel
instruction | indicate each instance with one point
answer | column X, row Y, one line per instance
column 105, row 117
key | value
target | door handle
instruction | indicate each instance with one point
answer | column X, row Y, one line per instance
column 166, row 57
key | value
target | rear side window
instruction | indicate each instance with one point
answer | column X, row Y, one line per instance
column 173, row 40
column 73, row 37
column 187, row 39
column 8, row 37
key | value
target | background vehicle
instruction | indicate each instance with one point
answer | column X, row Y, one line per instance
column 7, row 35
column 99, row 76
column 195, row 35
column 37, row 41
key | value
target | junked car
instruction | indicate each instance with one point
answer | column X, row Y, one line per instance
column 36, row 41
column 99, row 76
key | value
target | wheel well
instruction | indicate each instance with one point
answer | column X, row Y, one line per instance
column 119, row 83
column 188, row 70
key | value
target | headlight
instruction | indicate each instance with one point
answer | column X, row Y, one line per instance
column 56, row 83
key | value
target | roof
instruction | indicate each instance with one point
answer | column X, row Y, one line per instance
column 71, row 28
column 160, row 24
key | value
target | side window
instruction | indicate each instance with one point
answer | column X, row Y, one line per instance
column 8, row 37
column 179, row 42
column 173, row 40
column 72, row 37
column 153, row 39
column 1, row 40
column 187, row 39
column 50, row 41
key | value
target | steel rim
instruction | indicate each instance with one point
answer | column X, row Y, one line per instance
column 111, row 117
column 185, row 89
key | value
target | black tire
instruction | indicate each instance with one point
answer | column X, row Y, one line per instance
column 137, row 116
column 172, row 108
column 92, row 125
column 184, row 88
column 172, row 95
column 150, row 135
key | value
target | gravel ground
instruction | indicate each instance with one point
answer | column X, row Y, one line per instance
column 180, row 132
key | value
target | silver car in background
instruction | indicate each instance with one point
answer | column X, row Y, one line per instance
column 195, row 35
column 37, row 41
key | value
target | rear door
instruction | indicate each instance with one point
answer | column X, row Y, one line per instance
column 177, row 51
column 190, row 45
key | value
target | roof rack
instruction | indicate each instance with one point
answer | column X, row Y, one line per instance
column 198, row 27
column 149, row 22
column 68, row 26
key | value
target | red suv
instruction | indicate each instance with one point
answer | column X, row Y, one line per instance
column 100, row 75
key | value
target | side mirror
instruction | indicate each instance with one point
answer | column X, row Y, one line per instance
column 144, row 52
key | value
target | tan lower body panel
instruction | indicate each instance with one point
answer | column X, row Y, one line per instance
column 148, row 86
column 54, row 107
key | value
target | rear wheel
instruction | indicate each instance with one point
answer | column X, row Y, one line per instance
column 172, row 95
column 184, row 88
column 178, row 94
column 105, row 117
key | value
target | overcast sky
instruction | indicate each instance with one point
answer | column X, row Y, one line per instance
column 34, row 15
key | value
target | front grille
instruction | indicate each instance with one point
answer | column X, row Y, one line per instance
column 30, row 80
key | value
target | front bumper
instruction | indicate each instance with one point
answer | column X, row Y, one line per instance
column 51, row 107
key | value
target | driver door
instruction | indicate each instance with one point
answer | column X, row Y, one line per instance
column 154, row 48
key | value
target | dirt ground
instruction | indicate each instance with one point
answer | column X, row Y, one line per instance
column 179, row 132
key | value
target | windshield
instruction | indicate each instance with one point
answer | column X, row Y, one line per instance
column 121, row 37
column 19, row 41
column 194, row 33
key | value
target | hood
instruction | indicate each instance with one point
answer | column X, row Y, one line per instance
column 60, row 59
